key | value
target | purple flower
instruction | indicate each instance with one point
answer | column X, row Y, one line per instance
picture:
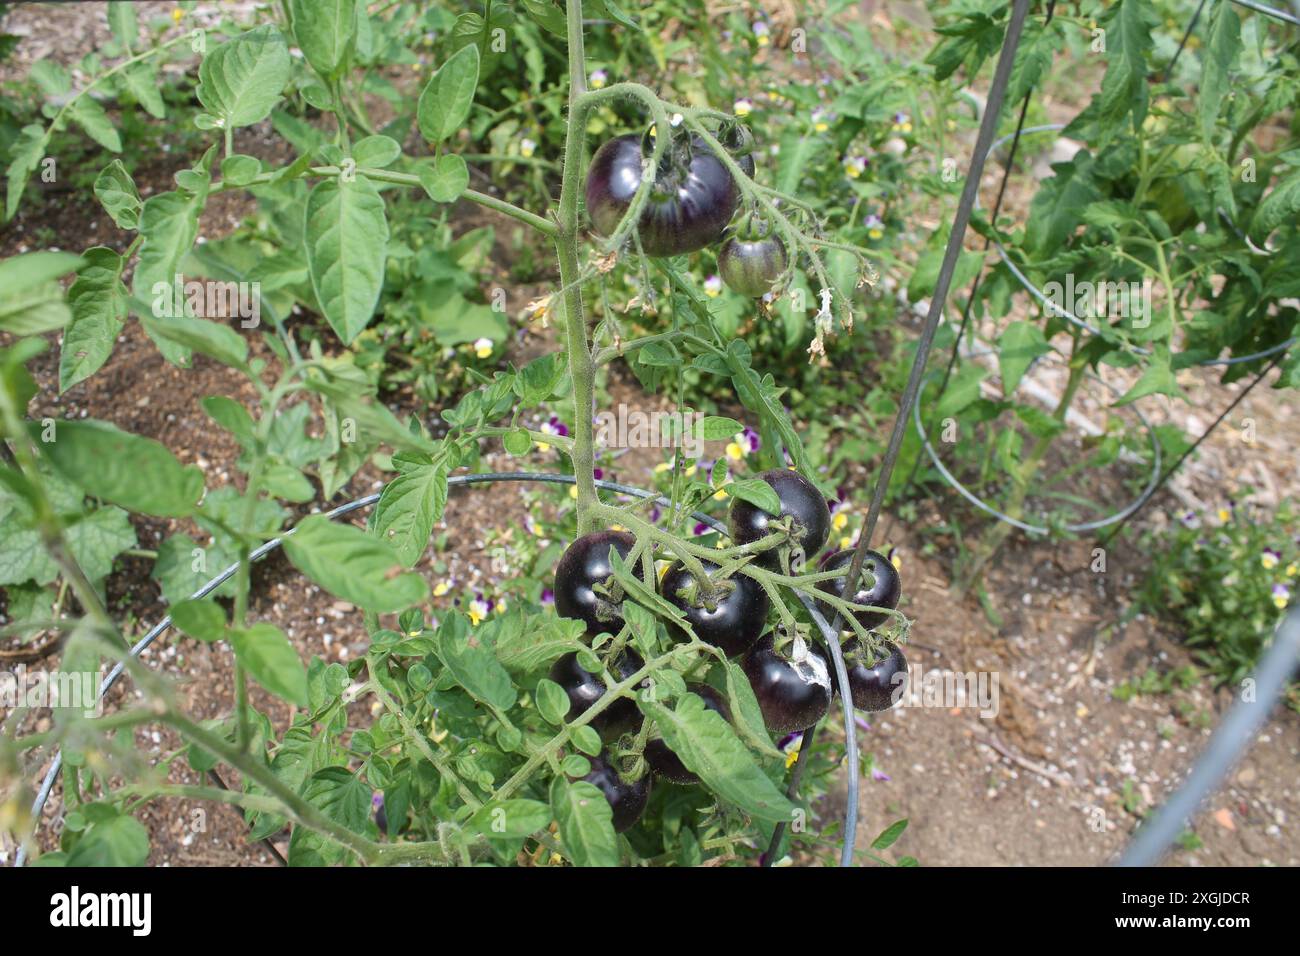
column 879, row 775
column 751, row 439
column 862, row 723
column 556, row 427
column 548, row 596
column 597, row 473
column 655, row 514
column 701, row 528
column 788, row 739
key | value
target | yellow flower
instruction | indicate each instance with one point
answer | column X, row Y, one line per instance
column 690, row 471
column 617, row 527
column 846, row 541
column 441, row 588
column 791, row 757
column 720, row 495
column 573, row 492
column 839, row 521
column 483, row 348
column 542, row 446
column 1269, row 560
column 474, row 617
column 1224, row 515
column 1291, row 570
column 177, row 14
column 1279, row 602
column 742, row 107
column 897, row 561
column 734, row 451
column 874, row 233
column 527, row 147
column 663, row 466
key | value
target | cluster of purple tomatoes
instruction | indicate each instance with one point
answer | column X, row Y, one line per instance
column 793, row 692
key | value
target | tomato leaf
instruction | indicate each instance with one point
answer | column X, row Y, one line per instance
column 324, row 31
column 471, row 662
column 353, row 565
column 446, row 99
column 240, row 80
column 410, row 505
column 271, row 660
column 710, row 749
column 346, row 240
column 586, row 823
column 137, row 473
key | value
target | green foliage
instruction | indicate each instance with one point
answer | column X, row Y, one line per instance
column 1224, row 581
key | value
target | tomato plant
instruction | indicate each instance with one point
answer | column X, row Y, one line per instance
column 494, row 732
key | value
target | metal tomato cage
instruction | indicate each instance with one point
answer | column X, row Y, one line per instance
column 1232, row 735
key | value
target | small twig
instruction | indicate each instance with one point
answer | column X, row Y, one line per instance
column 30, row 655
column 991, row 741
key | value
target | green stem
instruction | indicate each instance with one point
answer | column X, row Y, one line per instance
column 1021, row 479
column 544, row 226
column 581, row 370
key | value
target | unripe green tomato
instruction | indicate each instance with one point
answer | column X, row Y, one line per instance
column 751, row 266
